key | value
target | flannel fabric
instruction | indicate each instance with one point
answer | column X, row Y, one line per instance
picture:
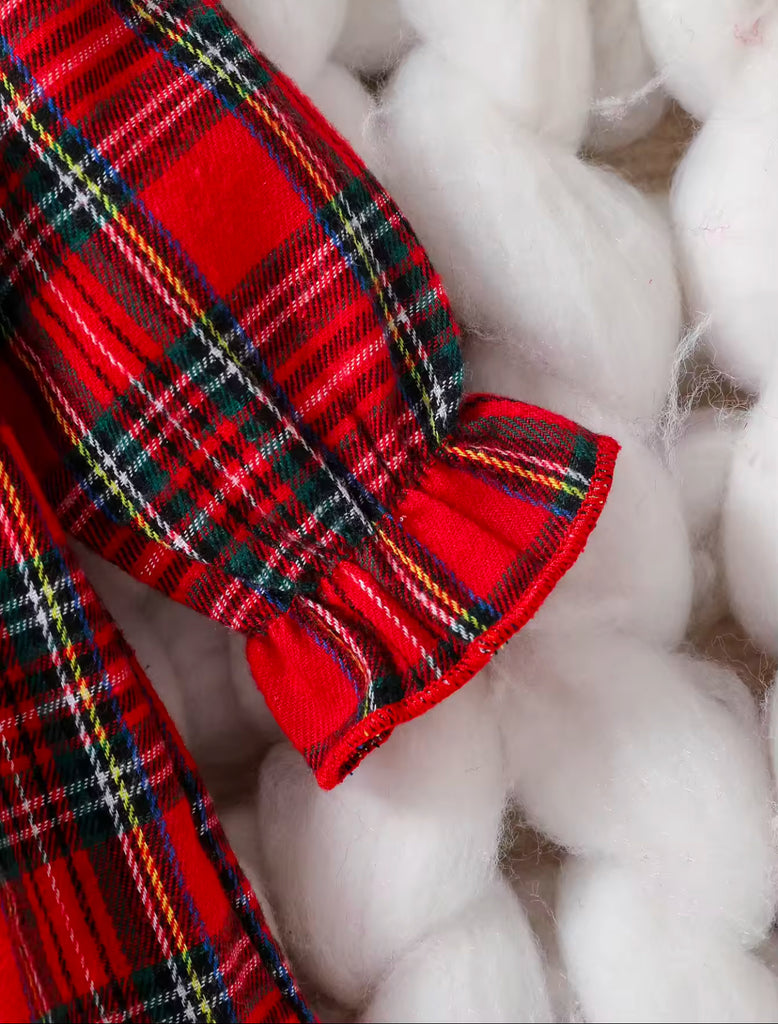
column 250, row 374
column 119, row 896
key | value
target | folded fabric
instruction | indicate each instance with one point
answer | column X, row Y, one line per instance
column 234, row 373
column 249, row 375
column 120, row 898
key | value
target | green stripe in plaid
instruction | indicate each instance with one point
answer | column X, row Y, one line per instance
column 118, row 892
column 251, row 377
column 309, row 500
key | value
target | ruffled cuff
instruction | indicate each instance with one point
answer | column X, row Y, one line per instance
column 463, row 560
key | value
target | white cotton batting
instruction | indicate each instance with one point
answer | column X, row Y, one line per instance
column 750, row 537
column 534, row 877
column 297, row 35
column 614, row 750
column 359, row 874
column 347, row 105
column 768, row 952
column 531, row 57
column 375, row 35
column 635, row 573
column 653, row 765
column 725, row 211
column 197, row 667
column 132, row 604
column 241, row 826
column 565, row 261
column 633, row 956
column 700, row 45
column 628, row 99
column 252, row 706
column 723, row 684
column 482, row 965
column 702, row 459
column 220, row 737
column 772, row 727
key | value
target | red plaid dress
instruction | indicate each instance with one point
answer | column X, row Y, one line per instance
column 236, row 375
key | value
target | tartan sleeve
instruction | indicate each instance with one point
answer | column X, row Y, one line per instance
column 119, row 896
column 250, row 377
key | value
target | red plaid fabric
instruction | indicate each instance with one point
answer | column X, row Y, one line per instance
column 119, row 896
column 250, row 375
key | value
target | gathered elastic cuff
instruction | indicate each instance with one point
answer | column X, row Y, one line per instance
column 463, row 560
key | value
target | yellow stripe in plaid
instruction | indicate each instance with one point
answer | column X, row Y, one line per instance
column 84, row 452
column 430, row 584
column 200, row 314
column 511, row 467
column 68, row 648
column 327, row 192
column 111, row 208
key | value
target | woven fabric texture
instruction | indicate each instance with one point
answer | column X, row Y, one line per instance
column 250, row 375
column 119, row 896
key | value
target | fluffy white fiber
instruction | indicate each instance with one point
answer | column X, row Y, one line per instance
column 252, row 707
column 722, row 684
column 633, row 957
column 347, row 105
column 627, row 97
column 128, row 602
column 702, row 462
column 468, row 970
column 636, row 574
column 772, row 717
column 613, row 750
column 725, row 209
column 373, row 37
column 567, row 261
column 298, row 35
column 241, row 826
column 700, row 45
column 406, row 893
column 533, row 57
column 207, row 691
column 359, row 874
column 749, row 523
